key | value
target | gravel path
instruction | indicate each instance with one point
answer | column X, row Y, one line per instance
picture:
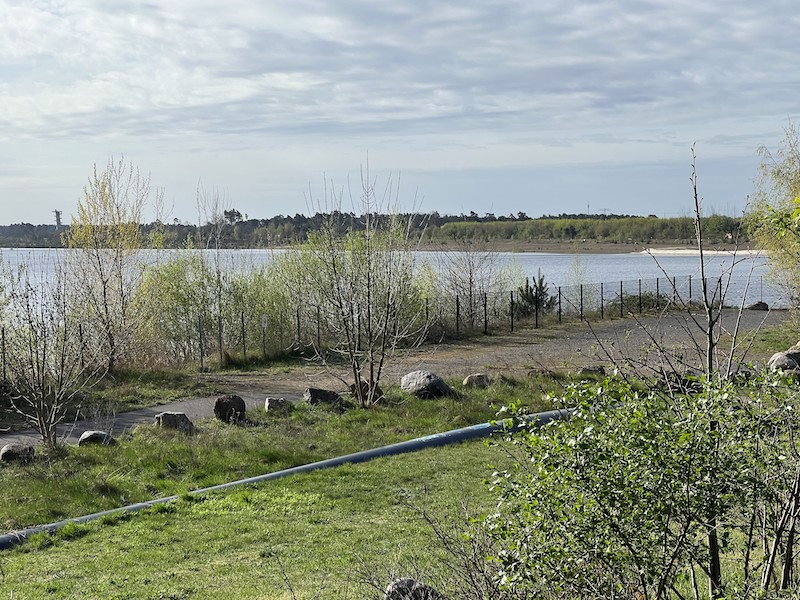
column 560, row 348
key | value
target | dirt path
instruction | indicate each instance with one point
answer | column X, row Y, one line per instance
column 562, row 348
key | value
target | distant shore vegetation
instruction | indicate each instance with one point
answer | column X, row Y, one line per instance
column 239, row 231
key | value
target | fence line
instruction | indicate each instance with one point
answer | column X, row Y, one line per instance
column 487, row 312
column 235, row 335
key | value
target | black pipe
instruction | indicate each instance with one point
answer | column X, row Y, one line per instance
column 472, row 432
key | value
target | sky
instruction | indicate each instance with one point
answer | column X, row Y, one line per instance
column 491, row 106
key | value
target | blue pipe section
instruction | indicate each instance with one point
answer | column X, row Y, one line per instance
column 472, row 432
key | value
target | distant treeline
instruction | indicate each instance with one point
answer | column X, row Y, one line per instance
column 234, row 231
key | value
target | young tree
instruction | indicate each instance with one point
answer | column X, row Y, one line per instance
column 468, row 272
column 48, row 365
column 106, row 259
column 357, row 275
column 774, row 218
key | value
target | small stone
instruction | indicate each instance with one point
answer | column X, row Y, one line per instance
column 425, row 384
column 477, row 380
column 102, row 438
column 174, row 420
column 280, row 406
column 229, row 408
column 782, row 361
column 410, row 589
column 15, row 452
column 758, row 306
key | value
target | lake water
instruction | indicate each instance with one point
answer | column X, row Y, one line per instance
column 749, row 271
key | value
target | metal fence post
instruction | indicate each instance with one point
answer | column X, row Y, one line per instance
column 297, row 326
column 601, row 300
column 640, row 296
column 559, row 304
column 4, row 354
column 621, row 301
column 690, row 289
column 581, row 302
column 485, row 316
column 511, row 311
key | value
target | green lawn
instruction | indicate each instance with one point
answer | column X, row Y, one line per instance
column 336, row 527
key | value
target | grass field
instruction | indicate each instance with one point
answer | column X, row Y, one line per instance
column 338, row 528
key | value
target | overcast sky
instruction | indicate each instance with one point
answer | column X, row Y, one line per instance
column 478, row 105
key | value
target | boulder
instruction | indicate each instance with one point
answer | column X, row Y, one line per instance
column 425, row 384
column 410, row 589
column 320, row 396
column 175, row 420
column 477, row 380
column 229, row 408
column 15, row 452
column 782, row 361
column 279, row 406
column 758, row 306
column 102, row 438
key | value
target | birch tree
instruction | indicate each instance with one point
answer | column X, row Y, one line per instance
column 107, row 264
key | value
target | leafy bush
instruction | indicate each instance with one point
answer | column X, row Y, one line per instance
column 642, row 495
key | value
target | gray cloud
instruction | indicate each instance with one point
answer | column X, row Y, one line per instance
column 516, row 79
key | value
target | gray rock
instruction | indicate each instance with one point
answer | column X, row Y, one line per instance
column 425, row 384
column 229, row 409
column 477, row 380
column 15, row 452
column 758, row 306
column 102, row 438
column 175, row 420
column 593, row 370
column 410, row 589
column 320, row 396
column 279, row 406
column 782, row 361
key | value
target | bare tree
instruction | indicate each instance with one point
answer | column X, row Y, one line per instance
column 357, row 274
column 48, row 364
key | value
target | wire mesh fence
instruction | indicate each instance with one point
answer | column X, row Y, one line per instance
column 246, row 335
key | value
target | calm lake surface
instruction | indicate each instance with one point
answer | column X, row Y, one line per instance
column 750, row 271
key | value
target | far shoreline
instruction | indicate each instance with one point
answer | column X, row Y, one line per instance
column 587, row 247
column 537, row 247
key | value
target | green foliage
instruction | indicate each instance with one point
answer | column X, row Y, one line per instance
column 618, row 501
column 773, row 217
column 106, row 241
column 535, row 299
column 189, row 294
